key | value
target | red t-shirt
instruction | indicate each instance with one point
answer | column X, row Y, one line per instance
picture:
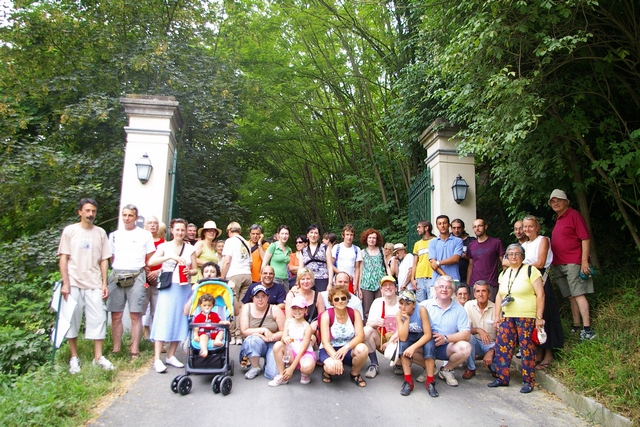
column 210, row 318
column 567, row 236
column 159, row 266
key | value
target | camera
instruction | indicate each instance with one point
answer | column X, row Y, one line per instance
column 507, row 300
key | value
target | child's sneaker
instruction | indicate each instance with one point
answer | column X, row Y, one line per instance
column 304, row 379
column 277, row 380
column 74, row 365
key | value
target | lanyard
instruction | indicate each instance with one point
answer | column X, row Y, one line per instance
column 510, row 282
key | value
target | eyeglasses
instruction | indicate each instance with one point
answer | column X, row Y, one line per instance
column 513, row 254
column 338, row 299
column 441, row 287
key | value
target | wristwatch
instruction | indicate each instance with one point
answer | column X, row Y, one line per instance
column 438, row 263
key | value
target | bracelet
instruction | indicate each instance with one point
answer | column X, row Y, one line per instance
column 446, row 339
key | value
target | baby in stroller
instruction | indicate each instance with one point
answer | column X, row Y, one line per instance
column 205, row 333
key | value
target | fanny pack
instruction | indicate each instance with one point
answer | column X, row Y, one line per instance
column 126, row 279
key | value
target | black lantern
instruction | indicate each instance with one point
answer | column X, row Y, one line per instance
column 459, row 189
column 144, row 167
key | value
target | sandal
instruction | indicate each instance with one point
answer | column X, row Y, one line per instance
column 326, row 378
column 543, row 365
column 134, row 356
column 357, row 380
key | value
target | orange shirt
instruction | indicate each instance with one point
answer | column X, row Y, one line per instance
column 256, row 263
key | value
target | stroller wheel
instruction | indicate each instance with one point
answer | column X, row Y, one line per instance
column 215, row 384
column 230, row 371
column 226, row 385
column 184, row 385
column 174, row 383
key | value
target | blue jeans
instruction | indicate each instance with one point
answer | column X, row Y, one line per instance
column 431, row 351
column 477, row 348
column 424, row 288
column 254, row 346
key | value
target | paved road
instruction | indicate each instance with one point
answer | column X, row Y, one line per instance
column 150, row 402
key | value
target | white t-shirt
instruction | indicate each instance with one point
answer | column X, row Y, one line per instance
column 236, row 248
column 403, row 271
column 130, row 248
column 170, row 265
column 531, row 252
column 346, row 258
column 375, row 314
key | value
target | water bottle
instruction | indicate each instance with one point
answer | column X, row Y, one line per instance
column 286, row 356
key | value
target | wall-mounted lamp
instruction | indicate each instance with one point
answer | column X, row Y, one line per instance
column 459, row 189
column 144, row 167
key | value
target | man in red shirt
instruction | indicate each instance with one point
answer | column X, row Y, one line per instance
column 570, row 247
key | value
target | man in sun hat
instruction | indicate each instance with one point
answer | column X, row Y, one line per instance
column 570, row 246
column 405, row 268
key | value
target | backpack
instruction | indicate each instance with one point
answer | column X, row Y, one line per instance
column 332, row 317
column 335, row 261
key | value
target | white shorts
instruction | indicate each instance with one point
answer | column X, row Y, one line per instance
column 91, row 303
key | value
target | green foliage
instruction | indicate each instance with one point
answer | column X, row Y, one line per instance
column 25, row 305
column 22, row 351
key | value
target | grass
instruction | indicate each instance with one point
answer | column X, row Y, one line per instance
column 52, row 397
column 607, row 368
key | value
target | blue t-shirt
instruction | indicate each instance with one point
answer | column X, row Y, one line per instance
column 442, row 249
column 448, row 321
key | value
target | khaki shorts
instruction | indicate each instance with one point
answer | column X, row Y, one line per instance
column 383, row 339
column 118, row 296
column 568, row 279
column 90, row 302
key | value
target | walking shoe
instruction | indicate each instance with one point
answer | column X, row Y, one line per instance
column 104, row 363
column 252, row 373
column 468, row 374
column 586, row 335
column 497, row 383
column 173, row 361
column 74, row 365
column 406, row 389
column 526, row 388
column 372, row 371
column 448, row 377
column 276, row 381
column 304, row 379
column 422, row 377
column 431, row 388
column 159, row 366
column 576, row 329
column 397, row 370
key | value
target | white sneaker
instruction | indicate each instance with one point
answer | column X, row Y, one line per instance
column 397, row 370
column 252, row 373
column 448, row 377
column 173, row 361
column 305, row 379
column 276, row 381
column 74, row 365
column 159, row 366
column 372, row 371
column 422, row 377
column 104, row 363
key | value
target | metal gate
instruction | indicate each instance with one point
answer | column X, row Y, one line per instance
column 419, row 205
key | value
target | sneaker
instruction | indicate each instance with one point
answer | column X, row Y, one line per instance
column 448, row 377
column 304, row 379
column 159, row 366
column 586, row 335
column 252, row 373
column 104, row 363
column 575, row 329
column 74, row 365
column 372, row 371
column 276, row 381
column 173, row 361
column 431, row 388
column 422, row 377
column 406, row 388
column 397, row 370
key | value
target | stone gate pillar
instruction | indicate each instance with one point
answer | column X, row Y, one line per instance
column 153, row 123
column 446, row 164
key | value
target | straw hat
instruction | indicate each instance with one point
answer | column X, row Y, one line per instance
column 209, row 225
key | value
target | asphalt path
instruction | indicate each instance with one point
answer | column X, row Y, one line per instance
column 150, row 402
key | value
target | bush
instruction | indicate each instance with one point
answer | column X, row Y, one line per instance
column 22, row 351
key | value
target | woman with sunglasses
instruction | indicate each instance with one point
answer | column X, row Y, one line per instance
column 342, row 338
column 519, row 308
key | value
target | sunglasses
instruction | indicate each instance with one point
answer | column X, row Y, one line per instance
column 299, row 242
column 338, row 299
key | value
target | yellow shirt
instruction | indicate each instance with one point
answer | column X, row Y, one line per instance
column 524, row 304
column 421, row 251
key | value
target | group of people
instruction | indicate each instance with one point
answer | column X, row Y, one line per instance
column 455, row 298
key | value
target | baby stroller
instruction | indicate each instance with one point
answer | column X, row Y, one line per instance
column 217, row 362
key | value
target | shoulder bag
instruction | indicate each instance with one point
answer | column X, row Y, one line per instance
column 164, row 281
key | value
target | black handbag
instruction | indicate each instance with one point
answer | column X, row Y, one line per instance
column 164, row 280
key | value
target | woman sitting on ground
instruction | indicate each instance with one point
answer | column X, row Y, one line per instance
column 342, row 338
column 380, row 329
column 261, row 325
